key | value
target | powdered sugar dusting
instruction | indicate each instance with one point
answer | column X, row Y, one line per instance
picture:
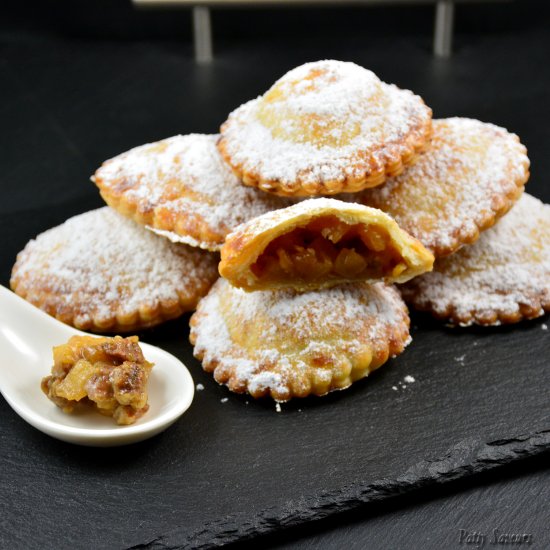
column 324, row 87
column 185, row 183
column 270, row 340
column 101, row 264
column 505, row 273
column 338, row 309
column 318, row 120
column 471, row 173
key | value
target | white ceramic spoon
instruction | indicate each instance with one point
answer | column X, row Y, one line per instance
column 27, row 336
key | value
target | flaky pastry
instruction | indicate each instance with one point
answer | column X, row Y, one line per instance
column 324, row 128
column 503, row 278
column 320, row 243
column 470, row 176
column 285, row 345
column 182, row 189
column 102, row 272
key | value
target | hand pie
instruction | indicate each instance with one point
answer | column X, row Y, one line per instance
column 181, row 188
column 320, row 243
column 470, row 176
column 324, row 128
column 102, row 272
column 503, row 278
column 286, row 345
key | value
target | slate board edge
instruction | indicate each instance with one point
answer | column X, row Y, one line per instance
column 470, row 456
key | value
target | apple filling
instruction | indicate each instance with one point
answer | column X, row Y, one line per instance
column 108, row 374
column 327, row 248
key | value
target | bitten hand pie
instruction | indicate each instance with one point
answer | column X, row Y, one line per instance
column 181, row 188
column 324, row 128
column 102, row 272
column 469, row 177
column 503, row 278
column 320, row 243
column 285, row 344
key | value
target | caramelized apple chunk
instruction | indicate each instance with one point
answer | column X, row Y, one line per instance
column 329, row 248
column 109, row 375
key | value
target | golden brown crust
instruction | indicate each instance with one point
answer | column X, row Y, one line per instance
column 320, row 243
column 503, row 278
column 282, row 344
column 325, row 128
column 377, row 165
column 471, row 175
column 145, row 317
column 456, row 316
column 102, row 273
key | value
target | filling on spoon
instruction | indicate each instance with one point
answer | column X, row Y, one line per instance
column 109, row 375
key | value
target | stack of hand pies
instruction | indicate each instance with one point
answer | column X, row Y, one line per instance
column 306, row 303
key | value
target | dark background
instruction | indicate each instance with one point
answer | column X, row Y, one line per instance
column 84, row 81
column 119, row 20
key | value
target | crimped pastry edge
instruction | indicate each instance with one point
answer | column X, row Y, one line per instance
column 160, row 312
column 500, row 206
column 539, row 306
column 396, row 158
column 198, row 234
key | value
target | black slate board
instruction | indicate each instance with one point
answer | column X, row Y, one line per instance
column 512, row 498
column 231, row 470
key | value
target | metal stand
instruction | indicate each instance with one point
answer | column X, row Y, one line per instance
column 443, row 30
column 202, row 34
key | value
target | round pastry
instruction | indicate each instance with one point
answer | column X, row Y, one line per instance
column 503, row 278
column 102, row 272
column 470, row 176
column 181, row 188
column 324, row 128
column 286, row 345
column 320, row 243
